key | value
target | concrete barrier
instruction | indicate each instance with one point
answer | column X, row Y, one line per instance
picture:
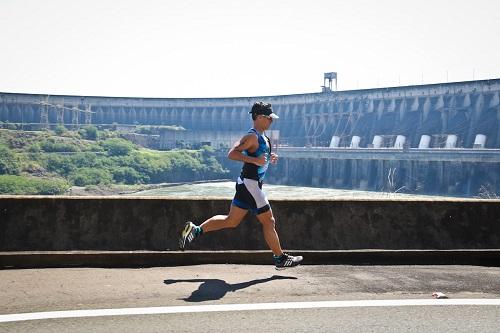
column 152, row 224
column 115, row 259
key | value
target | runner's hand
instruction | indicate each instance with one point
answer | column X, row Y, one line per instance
column 274, row 158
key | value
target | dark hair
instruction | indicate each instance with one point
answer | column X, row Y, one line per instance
column 261, row 108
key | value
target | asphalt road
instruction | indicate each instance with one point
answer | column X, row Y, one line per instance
column 202, row 287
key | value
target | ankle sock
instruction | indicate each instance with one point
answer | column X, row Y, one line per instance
column 198, row 231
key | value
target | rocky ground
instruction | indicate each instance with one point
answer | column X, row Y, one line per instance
column 107, row 190
column 129, row 189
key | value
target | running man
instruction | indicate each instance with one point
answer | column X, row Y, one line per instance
column 254, row 150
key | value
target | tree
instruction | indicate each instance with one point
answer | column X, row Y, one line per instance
column 60, row 129
column 91, row 176
column 89, row 132
column 9, row 163
column 117, row 146
column 128, row 175
column 62, row 165
column 50, row 145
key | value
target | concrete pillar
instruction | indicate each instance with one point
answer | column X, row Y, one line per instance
column 181, row 115
column 497, row 145
column 439, row 103
column 60, row 116
column 451, row 141
column 105, row 111
column 449, row 172
column 477, row 110
column 425, row 141
column 479, row 141
column 402, row 109
column 113, row 115
column 75, row 117
column 377, row 141
column 30, row 116
column 330, row 175
column 414, row 105
column 495, row 182
column 440, row 175
column 380, row 109
column 335, row 141
column 400, row 141
column 444, row 121
column 409, row 182
column 380, row 183
column 427, row 107
column 316, row 176
column 122, row 115
column 355, row 142
column 155, row 116
column 285, row 174
column 364, row 177
column 340, row 173
column 354, row 174
column 160, row 115
column 97, row 115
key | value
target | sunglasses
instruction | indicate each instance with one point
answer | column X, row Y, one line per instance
column 268, row 117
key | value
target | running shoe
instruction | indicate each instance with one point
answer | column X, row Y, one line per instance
column 287, row 261
column 187, row 235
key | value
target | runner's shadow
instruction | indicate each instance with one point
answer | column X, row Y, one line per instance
column 213, row 289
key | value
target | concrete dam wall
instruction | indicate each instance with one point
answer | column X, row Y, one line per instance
column 99, row 223
column 442, row 119
column 448, row 114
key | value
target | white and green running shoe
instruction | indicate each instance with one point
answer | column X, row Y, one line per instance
column 187, row 235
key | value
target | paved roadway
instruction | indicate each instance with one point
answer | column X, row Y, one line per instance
column 171, row 294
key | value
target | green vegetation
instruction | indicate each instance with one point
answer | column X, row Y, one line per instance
column 51, row 146
column 117, row 146
column 49, row 162
column 29, row 185
column 60, row 130
column 9, row 163
column 90, row 176
column 89, row 132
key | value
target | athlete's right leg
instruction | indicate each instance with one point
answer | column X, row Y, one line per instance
column 232, row 220
column 270, row 235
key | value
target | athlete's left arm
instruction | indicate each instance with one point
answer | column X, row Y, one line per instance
column 248, row 142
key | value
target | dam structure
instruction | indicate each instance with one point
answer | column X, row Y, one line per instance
column 426, row 139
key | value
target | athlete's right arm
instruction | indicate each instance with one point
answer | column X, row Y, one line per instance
column 248, row 142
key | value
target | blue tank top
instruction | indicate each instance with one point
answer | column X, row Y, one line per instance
column 253, row 171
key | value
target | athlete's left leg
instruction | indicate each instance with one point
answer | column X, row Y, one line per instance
column 217, row 222
column 232, row 220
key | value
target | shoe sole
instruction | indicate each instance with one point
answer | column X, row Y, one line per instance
column 283, row 268
column 185, row 232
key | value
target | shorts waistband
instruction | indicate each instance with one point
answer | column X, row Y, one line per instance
column 240, row 179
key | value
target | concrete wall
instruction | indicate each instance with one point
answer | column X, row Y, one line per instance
column 97, row 223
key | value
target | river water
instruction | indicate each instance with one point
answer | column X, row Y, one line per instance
column 225, row 189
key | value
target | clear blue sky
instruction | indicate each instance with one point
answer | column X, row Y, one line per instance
column 225, row 48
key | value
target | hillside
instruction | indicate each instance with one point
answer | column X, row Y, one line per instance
column 93, row 161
